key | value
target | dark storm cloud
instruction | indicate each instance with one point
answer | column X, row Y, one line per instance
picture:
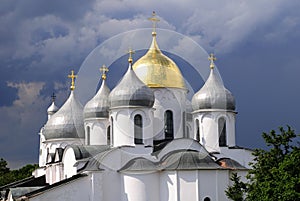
column 256, row 42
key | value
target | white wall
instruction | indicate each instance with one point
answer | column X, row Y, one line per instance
column 169, row 99
column 69, row 161
column 123, row 125
column 140, row 187
column 98, row 131
column 209, row 129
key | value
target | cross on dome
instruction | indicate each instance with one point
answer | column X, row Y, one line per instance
column 53, row 97
column 72, row 76
column 154, row 20
column 104, row 70
column 212, row 58
column 131, row 52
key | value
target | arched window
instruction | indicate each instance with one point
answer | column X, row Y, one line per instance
column 112, row 131
column 206, row 199
column 138, row 129
column 197, row 130
column 108, row 135
column 222, row 132
column 88, row 135
column 169, row 130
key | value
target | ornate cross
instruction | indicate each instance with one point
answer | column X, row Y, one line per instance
column 154, row 20
column 72, row 76
column 212, row 58
column 103, row 70
column 53, row 97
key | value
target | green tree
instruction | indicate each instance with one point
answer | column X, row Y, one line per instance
column 8, row 176
column 3, row 166
column 275, row 173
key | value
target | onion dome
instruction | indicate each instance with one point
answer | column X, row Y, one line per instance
column 52, row 109
column 213, row 95
column 131, row 91
column 156, row 69
column 98, row 106
column 67, row 122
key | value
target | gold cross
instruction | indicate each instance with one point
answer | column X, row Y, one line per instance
column 154, row 20
column 103, row 70
column 72, row 76
column 53, row 97
column 212, row 58
column 131, row 52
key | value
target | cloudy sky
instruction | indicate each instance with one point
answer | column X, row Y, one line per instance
column 257, row 44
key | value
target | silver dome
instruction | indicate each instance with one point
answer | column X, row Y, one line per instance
column 98, row 106
column 52, row 108
column 67, row 122
column 131, row 91
column 213, row 95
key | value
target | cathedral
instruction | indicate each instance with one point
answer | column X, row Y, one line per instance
column 143, row 140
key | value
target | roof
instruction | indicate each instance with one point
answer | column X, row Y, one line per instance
column 27, row 182
column 49, row 187
column 139, row 164
column 175, row 160
column 188, row 160
column 20, row 191
column 230, row 163
column 85, row 151
column 23, row 186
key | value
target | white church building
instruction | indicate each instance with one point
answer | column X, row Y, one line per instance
column 143, row 140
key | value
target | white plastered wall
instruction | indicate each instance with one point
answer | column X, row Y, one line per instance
column 123, row 125
column 140, row 187
column 172, row 99
column 98, row 131
column 209, row 129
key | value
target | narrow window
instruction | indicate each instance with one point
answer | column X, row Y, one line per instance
column 88, row 137
column 187, row 132
column 112, row 131
column 197, row 130
column 108, row 135
column 138, row 129
column 169, row 130
column 222, row 132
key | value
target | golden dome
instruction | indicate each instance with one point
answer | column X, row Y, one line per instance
column 157, row 70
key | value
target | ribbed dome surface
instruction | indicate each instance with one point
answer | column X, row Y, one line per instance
column 98, row 106
column 131, row 91
column 157, row 70
column 67, row 122
column 213, row 95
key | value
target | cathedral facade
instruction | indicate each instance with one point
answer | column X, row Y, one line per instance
column 141, row 141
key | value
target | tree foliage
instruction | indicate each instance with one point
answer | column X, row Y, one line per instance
column 275, row 173
column 8, row 176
